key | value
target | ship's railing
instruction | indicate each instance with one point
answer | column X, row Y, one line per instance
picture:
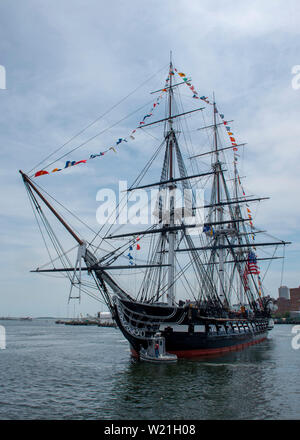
column 146, row 315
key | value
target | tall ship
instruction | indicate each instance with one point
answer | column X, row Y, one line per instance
column 197, row 284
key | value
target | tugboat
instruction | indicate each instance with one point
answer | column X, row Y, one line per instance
column 200, row 288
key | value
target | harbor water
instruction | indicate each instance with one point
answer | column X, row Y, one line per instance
column 51, row 371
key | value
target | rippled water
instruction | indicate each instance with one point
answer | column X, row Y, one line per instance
column 51, row 371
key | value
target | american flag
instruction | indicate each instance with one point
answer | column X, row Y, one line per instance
column 250, row 268
column 252, row 264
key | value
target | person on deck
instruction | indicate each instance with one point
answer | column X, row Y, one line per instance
column 156, row 348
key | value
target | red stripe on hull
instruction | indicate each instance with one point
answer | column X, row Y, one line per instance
column 213, row 351
column 210, row 351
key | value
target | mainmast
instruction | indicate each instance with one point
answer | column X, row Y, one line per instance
column 218, row 168
column 171, row 186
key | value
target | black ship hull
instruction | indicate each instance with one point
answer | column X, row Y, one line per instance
column 203, row 347
column 186, row 335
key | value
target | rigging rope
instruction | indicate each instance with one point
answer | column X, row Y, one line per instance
column 96, row 120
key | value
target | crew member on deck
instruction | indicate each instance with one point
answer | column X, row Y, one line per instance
column 156, row 348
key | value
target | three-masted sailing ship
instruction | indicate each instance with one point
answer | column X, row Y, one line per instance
column 200, row 287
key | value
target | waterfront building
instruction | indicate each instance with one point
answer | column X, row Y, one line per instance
column 288, row 300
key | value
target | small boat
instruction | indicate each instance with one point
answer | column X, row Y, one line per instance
column 156, row 351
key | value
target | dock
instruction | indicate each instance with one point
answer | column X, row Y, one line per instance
column 86, row 322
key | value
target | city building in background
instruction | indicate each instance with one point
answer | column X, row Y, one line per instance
column 288, row 301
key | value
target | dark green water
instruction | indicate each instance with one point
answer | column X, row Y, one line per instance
column 51, row 371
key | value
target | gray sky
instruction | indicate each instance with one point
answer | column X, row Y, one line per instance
column 67, row 62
